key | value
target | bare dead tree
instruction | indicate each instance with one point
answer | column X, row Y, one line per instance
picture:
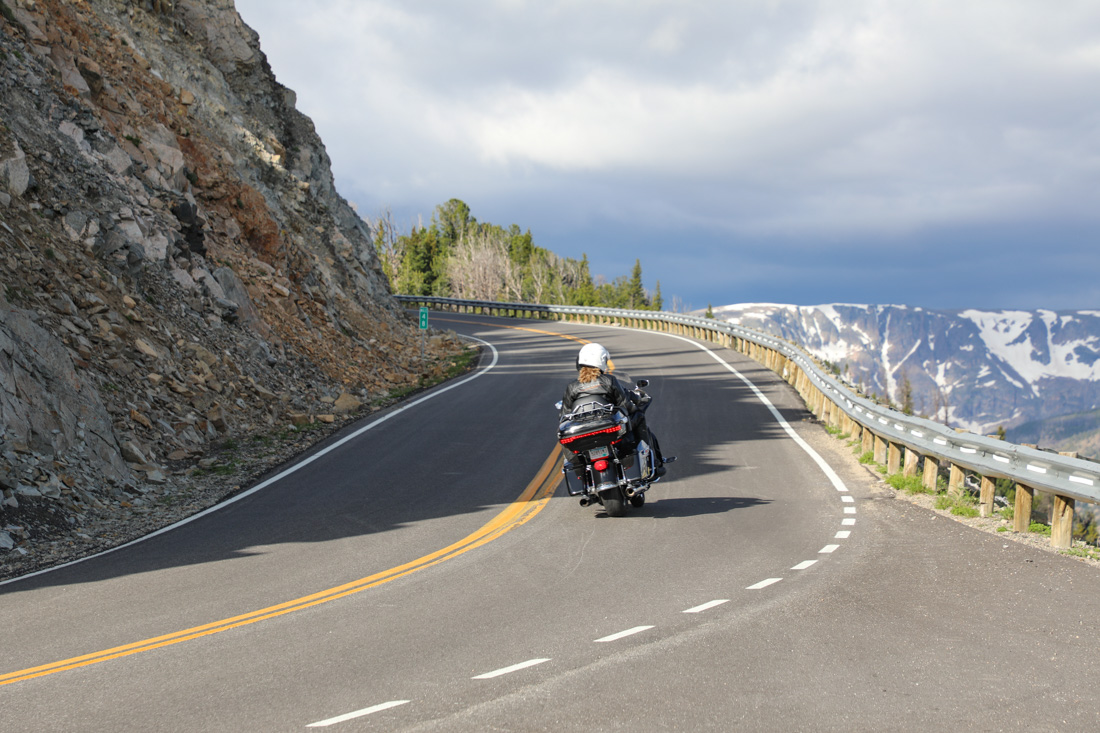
column 479, row 268
column 388, row 243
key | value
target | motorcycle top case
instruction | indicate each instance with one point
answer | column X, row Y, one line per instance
column 583, row 434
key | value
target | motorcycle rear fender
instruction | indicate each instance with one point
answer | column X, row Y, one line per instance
column 604, row 480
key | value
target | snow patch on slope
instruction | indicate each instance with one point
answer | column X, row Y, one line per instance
column 1006, row 335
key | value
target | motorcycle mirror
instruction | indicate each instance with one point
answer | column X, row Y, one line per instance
column 558, row 404
column 643, row 383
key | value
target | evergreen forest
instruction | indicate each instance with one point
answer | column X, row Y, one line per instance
column 456, row 256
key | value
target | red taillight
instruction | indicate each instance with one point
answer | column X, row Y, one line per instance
column 600, row 465
column 566, row 441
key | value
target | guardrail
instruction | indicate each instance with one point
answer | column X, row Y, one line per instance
column 903, row 443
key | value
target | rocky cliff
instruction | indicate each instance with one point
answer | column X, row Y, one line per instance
column 180, row 276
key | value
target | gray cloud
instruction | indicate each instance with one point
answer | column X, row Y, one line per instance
column 786, row 127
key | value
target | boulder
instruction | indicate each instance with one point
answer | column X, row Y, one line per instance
column 346, row 403
column 15, row 176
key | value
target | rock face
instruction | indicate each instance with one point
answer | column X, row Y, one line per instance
column 179, row 271
column 973, row 369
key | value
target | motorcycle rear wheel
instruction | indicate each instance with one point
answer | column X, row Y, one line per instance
column 613, row 502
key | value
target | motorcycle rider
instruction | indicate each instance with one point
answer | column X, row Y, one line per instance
column 595, row 384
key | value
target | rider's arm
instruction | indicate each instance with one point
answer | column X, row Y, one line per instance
column 621, row 397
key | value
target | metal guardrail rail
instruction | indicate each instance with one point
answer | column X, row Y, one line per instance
column 899, row 441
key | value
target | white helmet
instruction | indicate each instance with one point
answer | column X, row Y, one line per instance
column 593, row 355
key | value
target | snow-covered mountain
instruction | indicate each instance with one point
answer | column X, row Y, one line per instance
column 972, row 369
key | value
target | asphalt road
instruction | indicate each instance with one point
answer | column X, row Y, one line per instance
column 419, row 576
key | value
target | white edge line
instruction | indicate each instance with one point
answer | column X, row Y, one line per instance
column 278, row 477
column 834, row 479
column 622, row 634
column 764, row 583
column 509, row 670
column 358, row 714
column 707, row 606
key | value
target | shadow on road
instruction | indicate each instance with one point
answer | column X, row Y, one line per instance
column 474, row 450
column 696, row 506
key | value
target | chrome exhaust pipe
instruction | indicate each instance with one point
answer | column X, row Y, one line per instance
column 585, row 501
column 630, row 491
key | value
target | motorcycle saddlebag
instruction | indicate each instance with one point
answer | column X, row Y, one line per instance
column 573, row 484
column 632, row 468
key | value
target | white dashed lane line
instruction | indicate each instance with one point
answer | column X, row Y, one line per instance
column 509, row 670
column 357, row 714
column 803, row 565
column 622, row 634
column 764, row 583
column 707, row 606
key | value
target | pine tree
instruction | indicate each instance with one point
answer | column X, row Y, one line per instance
column 658, row 302
column 710, row 311
column 634, row 295
column 584, row 292
column 906, row 395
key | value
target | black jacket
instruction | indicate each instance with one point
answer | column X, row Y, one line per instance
column 606, row 389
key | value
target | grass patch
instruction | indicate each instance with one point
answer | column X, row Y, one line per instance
column 1089, row 552
column 867, row 457
column 908, row 484
column 1002, row 529
column 1039, row 528
column 959, row 506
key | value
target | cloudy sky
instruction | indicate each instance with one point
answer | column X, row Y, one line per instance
column 936, row 153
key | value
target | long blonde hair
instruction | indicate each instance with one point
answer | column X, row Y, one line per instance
column 588, row 374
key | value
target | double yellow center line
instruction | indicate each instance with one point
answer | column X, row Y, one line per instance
column 526, row 506
column 523, row 509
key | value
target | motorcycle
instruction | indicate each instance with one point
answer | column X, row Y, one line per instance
column 607, row 468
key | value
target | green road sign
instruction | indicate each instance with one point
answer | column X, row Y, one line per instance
column 423, row 317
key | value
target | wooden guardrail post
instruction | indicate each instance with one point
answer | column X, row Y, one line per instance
column 956, row 481
column 985, row 502
column 868, row 443
column 931, row 472
column 1061, row 524
column 1021, row 513
column 893, row 458
column 912, row 458
column 880, row 450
